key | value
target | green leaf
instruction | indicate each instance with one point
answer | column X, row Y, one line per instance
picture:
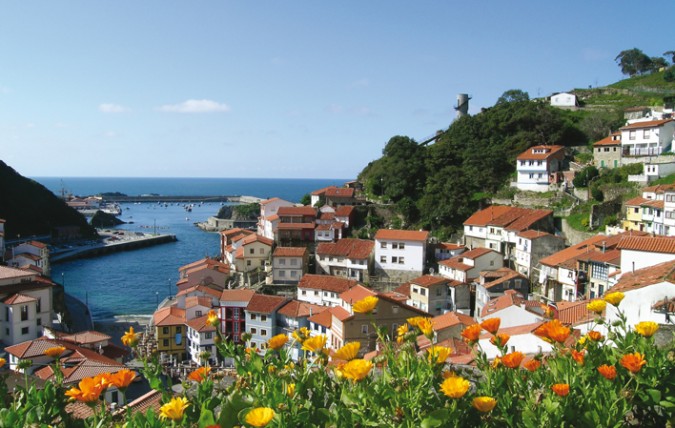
column 654, row 394
column 206, row 418
column 435, row 418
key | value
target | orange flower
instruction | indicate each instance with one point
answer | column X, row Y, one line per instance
column 608, row 372
column 595, row 336
column 472, row 333
column 426, row 327
column 484, row 404
column 103, row 379
column 55, row 352
column 212, row 318
column 122, row 379
column 633, row 362
column 277, row 342
column 89, row 390
column 200, row 374
column 561, row 389
column 533, row 365
column 578, row 356
column 500, row 339
column 491, row 325
column 513, row 359
column 553, row 331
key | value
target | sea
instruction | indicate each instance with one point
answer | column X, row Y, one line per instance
column 134, row 282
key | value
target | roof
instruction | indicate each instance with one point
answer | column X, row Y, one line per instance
column 651, row 244
column 516, row 330
column 256, row 238
column 449, row 246
column 592, row 244
column 356, row 293
column 610, row 140
column 297, row 211
column 294, row 226
column 487, row 215
column 298, row 309
column 612, row 257
column 533, row 234
column 339, row 192
column 455, row 264
column 502, row 302
column 265, row 304
column 321, row 191
column 10, row 273
column 403, row 289
column 659, row 188
column 200, row 288
column 502, row 275
column 18, row 298
column 645, row 277
column 267, row 201
column 340, row 313
column 652, row 203
column 290, row 252
column 347, row 247
column 647, row 124
column 451, row 319
column 637, row 201
column 545, row 152
column 323, row 318
column 403, row 235
column 475, row 253
column 344, row 211
column 86, row 337
column 204, row 263
column 429, row 280
column 201, row 324
column 231, row 234
column 170, row 315
column 573, row 313
column 198, row 301
column 326, row 282
column 237, row 295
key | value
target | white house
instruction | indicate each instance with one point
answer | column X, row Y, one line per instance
column 468, row 265
column 647, row 138
column 323, row 290
column 496, row 283
column 31, row 253
column 513, row 309
column 538, row 167
column 522, row 338
column 532, row 246
column 289, row 264
column 349, row 258
column 639, row 252
column 200, row 341
column 292, row 316
column 644, row 289
column 400, row 254
column 269, row 219
column 564, row 99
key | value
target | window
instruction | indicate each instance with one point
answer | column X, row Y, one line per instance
column 114, row 397
column 254, row 331
column 165, row 330
column 383, row 245
column 394, row 259
column 304, row 292
column 645, row 133
column 531, row 175
column 294, row 262
column 198, row 314
column 294, row 274
column 282, row 274
column 263, row 332
column 252, row 316
column 24, row 331
column 394, row 309
column 262, row 251
column 263, row 317
column 383, row 259
column 248, row 263
column 6, row 313
column 24, row 312
column 394, row 245
column 179, row 329
column 492, row 262
column 364, row 329
column 165, row 342
column 39, row 321
column 251, row 250
column 423, row 291
column 401, row 245
column 38, row 305
column 316, row 293
column 439, row 290
column 282, row 262
column 631, row 135
column 400, row 260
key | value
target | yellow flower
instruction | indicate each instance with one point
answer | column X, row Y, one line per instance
column 426, row 327
column 401, row 331
column 365, row 305
column 414, row 321
column 103, row 379
column 597, row 306
column 174, row 409
column 301, row 334
column 122, row 379
column 130, row 338
column 2, row 362
column 314, row 344
column 438, row 354
column 277, row 342
column 212, row 318
column 199, row 375
column 484, row 404
column 290, row 389
column 455, row 386
column 356, row 370
column 614, row 298
column 55, row 352
column 348, row 352
column 259, row 417
column 646, row 328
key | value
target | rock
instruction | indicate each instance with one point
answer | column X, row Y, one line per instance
column 101, row 219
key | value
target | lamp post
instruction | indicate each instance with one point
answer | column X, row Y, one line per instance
column 63, row 280
column 157, row 299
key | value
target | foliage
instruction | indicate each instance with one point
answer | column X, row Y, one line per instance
column 669, row 179
column 612, row 376
column 584, row 176
column 669, row 75
column 248, row 211
column 597, row 124
column 633, row 62
column 584, row 157
column 306, row 199
column 513, row 96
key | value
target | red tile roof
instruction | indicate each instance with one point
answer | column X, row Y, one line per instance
column 573, row 313
column 500, row 276
column 201, row 324
column 637, row 201
column 339, row 192
column 429, row 280
column 645, row 277
column 451, row 319
column 290, row 252
column 340, row 313
column 295, row 226
column 475, row 253
column 647, row 124
column 86, row 337
column 198, row 301
column 402, row 235
column 347, row 247
column 344, row 211
column 610, row 140
column 322, row 318
column 356, row 293
column 548, row 151
column 510, row 298
column 237, row 295
column 594, row 243
column 264, row 304
column 170, row 315
column 297, row 211
column 652, row 244
column 659, row 188
column 298, row 309
column 326, row 282
column 18, row 298
column 612, row 257
column 403, row 289
column 449, row 246
column 321, row 191
column 256, row 238
column 653, row 204
column 455, row 264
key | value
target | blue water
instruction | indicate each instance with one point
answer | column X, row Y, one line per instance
column 132, row 282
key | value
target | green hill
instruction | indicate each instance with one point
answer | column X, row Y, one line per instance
column 30, row 209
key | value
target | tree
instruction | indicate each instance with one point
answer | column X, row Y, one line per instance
column 670, row 54
column 633, row 62
column 513, row 96
column 658, row 63
column 306, row 199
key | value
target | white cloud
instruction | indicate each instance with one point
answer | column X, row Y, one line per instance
column 112, row 108
column 196, row 106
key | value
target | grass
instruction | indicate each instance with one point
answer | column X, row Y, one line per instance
column 669, row 179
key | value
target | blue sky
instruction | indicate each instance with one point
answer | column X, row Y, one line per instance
column 298, row 89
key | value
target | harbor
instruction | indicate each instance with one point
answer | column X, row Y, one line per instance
column 112, row 241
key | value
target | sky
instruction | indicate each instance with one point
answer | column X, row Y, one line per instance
column 288, row 89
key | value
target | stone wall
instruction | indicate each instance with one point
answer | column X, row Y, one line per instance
column 574, row 236
column 601, row 211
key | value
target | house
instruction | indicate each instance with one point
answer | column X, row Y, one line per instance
column 261, row 318
column 653, row 212
column 446, row 250
column 467, row 266
column 538, row 167
column 576, row 315
column 450, row 325
column 323, row 290
column 333, row 196
column 400, row 255
column 205, row 271
column 647, row 138
column 228, row 238
column 320, row 323
column 269, row 219
column 169, row 323
column 496, row 283
column 497, row 227
column 233, row 303
column 329, row 232
column 644, row 289
column 349, row 258
column 532, row 246
column 249, row 253
column 197, row 306
column 521, row 338
column 27, row 304
column 296, row 226
column 430, row 294
column 289, row 264
column 200, row 341
column 607, row 152
column 600, row 267
column 205, row 291
column 639, row 252
column 31, row 253
column 633, row 214
column 564, row 100
column 513, row 309
column 292, row 316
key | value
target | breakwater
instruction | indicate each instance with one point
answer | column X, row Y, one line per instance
column 181, row 199
column 106, row 247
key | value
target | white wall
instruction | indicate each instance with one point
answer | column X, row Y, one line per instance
column 413, row 255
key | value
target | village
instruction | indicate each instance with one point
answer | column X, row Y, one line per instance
column 299, row 269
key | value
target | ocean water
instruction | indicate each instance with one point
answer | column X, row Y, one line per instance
column 133, row 282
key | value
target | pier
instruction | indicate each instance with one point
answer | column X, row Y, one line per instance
column 241, row 199
column 111, row 242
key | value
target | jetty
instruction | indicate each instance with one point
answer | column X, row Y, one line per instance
column 111, row 241
column 239, row 199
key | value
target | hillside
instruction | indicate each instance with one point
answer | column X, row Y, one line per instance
column 30, row 209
